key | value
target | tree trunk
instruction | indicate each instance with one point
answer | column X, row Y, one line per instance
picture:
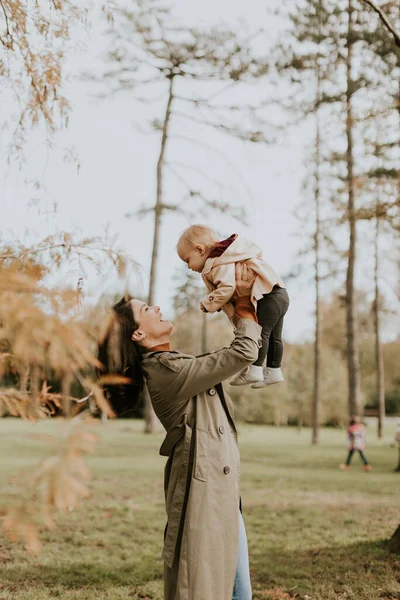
column 277, row 413
column 158, row 209
column 317, row 341
column 24, row 379
column 398, row 463
column 149, row 415
column 317, row 345
column 378, row 345
column 34, row 382
column 66, row 385
column 394, row 542
column 351, row 311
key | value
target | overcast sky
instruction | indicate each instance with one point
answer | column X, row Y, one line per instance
column 117, row 173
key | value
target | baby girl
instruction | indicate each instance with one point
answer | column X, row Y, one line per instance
column 200, row 248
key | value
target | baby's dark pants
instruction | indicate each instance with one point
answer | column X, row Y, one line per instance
column 271, row 309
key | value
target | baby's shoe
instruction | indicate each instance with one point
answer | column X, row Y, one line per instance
column 344, row 467
column 270, row 376
column 367, row 468
column 248, row 375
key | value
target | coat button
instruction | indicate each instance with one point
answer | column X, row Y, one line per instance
column 227, row 470
column 221, row 429
column 212, row 392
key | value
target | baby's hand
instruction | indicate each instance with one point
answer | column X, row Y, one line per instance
column 203, row 308
column 245, row 278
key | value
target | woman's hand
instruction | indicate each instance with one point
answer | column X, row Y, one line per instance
column 230, row 311
column 203, row 308
column 245, row 279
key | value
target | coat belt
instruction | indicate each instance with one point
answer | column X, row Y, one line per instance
column 173, row 436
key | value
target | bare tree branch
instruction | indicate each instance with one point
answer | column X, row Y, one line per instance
column 143, row 211
column 256, row 136
column 228, row 162
column 385, row 20
column 179, row 177
column 202, row 173
column 6, row 18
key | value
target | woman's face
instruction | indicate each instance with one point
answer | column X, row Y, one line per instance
column 152, row 328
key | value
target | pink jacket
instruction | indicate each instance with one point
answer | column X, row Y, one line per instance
column 356, row 435
column 219, row 276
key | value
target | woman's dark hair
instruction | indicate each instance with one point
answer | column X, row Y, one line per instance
column 120, row 355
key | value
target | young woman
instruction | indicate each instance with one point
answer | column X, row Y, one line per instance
column 205, row 546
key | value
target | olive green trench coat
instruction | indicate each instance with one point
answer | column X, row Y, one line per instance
column 202, row 472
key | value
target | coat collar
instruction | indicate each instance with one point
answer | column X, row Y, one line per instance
column 152, row 353
column 162, row 348
column 210, row 262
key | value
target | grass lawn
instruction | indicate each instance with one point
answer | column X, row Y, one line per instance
column 315, row 533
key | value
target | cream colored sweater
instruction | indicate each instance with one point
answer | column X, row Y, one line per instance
column 219, row 276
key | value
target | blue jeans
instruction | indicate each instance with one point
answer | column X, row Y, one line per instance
column 242, row 586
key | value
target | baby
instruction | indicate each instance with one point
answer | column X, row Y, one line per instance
column 200, row 248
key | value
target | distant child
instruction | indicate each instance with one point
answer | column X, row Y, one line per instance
column 356, row 442
column 397, row 440
column 202, row 250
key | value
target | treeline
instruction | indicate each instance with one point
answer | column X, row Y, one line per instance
column 340, row 61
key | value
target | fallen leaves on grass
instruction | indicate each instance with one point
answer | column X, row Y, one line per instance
column 136, row 593
column 4, row 555
column 277, row 594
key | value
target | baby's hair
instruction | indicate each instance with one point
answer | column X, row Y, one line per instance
column 199, row 234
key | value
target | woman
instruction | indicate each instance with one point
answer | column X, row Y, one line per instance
column 205, row 546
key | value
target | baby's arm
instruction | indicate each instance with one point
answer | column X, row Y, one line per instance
column 223, row 278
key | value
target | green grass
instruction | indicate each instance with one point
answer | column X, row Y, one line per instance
column 315, row 533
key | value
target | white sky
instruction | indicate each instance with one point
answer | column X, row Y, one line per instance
column 117, row 174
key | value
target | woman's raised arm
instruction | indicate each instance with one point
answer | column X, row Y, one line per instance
column 186, row 376
column 173, row 378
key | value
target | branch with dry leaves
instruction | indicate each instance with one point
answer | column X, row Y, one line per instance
column 29, row 406
column 42, row 326
column 35, row 41
column 59, row 248
column 45, row 333
column 34, row 46
column 58, row 484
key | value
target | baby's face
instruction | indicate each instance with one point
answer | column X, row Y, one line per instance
column 194, row 256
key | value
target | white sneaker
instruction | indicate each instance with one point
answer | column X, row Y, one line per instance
column 270, row 376
column 248, row 375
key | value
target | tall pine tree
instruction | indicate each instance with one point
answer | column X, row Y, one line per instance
column 329, row 49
